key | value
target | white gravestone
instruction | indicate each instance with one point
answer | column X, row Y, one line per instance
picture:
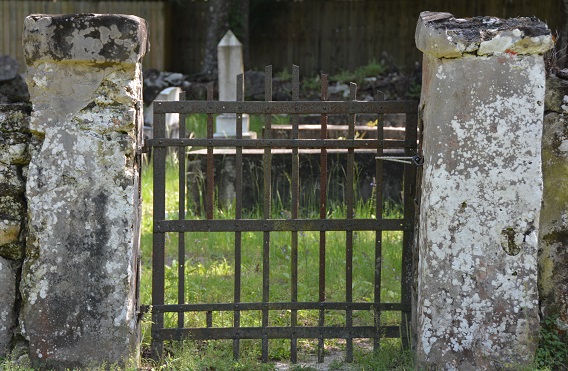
column 230, row 62
column 172, row 119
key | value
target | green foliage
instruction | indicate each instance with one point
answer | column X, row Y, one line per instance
column 284, row 75
column 553, row 349
column 371, row 70
column 414, row 91
column 311, row 86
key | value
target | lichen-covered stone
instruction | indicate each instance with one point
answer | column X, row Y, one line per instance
column 479, row 213
column 15, row 139
column 444, row 36
column 79, row 277
column 14, row 118
column 8, row 271
column 98, row 38
column 12, row 216
column 553, row 238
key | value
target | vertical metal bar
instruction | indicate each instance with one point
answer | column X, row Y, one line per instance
column 159, row 239
column 378, row 184
column 323, row 215
column 210, row 171
column 349, row 234
column 267, row 163
column 181, row 216
column 408, row 236
column 238, row 214
column 295, row 209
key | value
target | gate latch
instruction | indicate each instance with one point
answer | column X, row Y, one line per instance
column 410, row 160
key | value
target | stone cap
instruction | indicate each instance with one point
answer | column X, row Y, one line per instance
column 99, row 38
column 444, row 36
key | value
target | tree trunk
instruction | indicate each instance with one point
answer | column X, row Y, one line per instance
column 225, row 15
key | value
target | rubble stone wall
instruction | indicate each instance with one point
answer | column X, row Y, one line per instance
column 553, row 241
column 16, row 142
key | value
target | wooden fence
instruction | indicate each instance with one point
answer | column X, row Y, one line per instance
column 13, row 13
column 319, row 35
column 335, row 35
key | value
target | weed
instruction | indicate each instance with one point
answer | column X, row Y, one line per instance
column 390, row 356
column 302, row 368
column 311, row 86
column 552, row 351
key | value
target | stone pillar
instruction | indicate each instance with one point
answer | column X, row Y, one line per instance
column 553, row 252
column 79, row 277
column 230, row 62
column 482, row 111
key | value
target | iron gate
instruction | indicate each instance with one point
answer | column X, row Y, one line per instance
column 293, row 223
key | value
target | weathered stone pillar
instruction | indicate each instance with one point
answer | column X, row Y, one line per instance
column 553, row 252
column 79, row 276
column 482, row 111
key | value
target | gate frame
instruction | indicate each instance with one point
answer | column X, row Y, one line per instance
column 160, row 144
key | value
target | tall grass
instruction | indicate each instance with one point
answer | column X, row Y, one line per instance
column 209, row 270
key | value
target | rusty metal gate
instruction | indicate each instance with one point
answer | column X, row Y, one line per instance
column 383, row 149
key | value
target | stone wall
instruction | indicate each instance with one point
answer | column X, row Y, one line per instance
column 16, row 142
column 553, row 241
column 482, row 110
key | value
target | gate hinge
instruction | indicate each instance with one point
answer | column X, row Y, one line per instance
column 142, row 311
column 142, row 149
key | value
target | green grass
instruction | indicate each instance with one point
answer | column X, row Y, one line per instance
column 209, row 274
column 209, row 271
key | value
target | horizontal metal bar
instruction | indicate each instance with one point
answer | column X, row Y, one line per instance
column 281, row 143
column 296, row 107
column 416, row 160
column 304, row 332
column 204, row 307
column 394, row 158
column 270, row 225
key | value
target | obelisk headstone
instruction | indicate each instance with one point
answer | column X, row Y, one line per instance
column 230, row 64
